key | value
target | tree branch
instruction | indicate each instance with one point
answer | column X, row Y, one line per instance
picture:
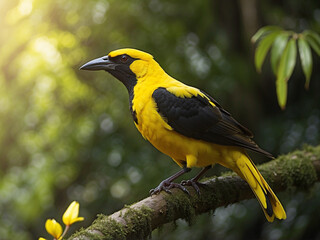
column 296, row 170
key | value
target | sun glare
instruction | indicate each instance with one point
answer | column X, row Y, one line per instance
column 25, row 7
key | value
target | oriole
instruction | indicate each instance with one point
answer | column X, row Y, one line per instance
column 186, row 124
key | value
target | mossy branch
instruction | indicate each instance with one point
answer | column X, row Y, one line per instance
column 296, row 170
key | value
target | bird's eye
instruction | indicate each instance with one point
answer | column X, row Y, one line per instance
column 124, row 58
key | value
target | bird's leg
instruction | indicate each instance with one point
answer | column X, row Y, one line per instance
column 168, row 183
column 194, row 181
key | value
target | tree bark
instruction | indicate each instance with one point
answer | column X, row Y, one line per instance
column 294, row 171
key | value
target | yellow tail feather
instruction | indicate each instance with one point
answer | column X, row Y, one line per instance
column 269, row 202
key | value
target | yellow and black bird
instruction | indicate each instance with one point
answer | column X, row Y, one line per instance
column 186, row 124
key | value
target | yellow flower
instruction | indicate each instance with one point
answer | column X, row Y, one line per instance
column 41, row 238
column 70, row 216
column 53, row 228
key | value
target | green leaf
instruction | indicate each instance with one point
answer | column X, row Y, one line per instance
column 287, row 63
column 282, row 89
column 288, row 59
column 278, row 46
column 313, row 34
column 263, row 31
column 306, row 59
column 263, row 48
column 313, row 39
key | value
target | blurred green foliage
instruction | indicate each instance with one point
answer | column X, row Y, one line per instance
column 68, row 135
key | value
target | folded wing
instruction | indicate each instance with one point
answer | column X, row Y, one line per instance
column 201, row 117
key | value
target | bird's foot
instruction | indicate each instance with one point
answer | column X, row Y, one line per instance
column 166, row 185
column 193, row 183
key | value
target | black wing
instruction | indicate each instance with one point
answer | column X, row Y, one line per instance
column 196, row 118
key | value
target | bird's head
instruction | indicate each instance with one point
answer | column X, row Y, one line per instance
column 127, row 65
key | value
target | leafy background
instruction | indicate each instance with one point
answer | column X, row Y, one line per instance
column 67, row 134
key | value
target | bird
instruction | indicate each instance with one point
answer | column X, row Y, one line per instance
column 186, row 124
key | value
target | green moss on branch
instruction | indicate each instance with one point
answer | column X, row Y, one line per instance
column 296, row 170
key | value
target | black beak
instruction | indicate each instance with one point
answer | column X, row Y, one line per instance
column 102, row 63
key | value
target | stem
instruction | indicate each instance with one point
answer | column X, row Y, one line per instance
column 64, row 232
